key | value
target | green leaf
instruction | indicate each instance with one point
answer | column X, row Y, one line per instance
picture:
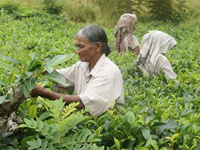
column 23, row 126
column 34, row 65
column 154, row 144
column 44, row 144
column 30, row 83
column 44, row 115
column 10, row 59
column 33, row 123
column 8, row 67
column 84, row 135
column 141, row 148
column 130, row 117
column 107, row 124
column 120, row 108
column 169, row 125
column 176, row 135
column 24, row 140
column 148, row 142
column 32, row 111
column 25, row 90
column 45, row 128
column 57, row 60
column 26, row 76
column 56, row 77
column 146, row 133
column 49, row 70
column 39, row 124
column 117, row 143
column 2, row 98
column 12, row 77
column 39, row 142
column 35, row 144
column 2, row 83
column 27, row 121
column 38, row 49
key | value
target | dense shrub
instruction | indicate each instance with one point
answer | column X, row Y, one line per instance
column 82, row 13
column 53, row 6
column 10, row 7
column 174, row 10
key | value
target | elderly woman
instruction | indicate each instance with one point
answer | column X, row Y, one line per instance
column 96, row 80
column 151, row 59
column 124, row 38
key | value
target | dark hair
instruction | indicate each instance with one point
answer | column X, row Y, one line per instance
column 95, row 33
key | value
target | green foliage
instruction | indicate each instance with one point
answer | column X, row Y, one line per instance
column 175, row 11
column 159, row 113
column 133, row 128
column 82, row 13
column 32, row 111
column 30, row 68
column 59, row 129
column 59, row 59
column 10, row 7
column 53, row 6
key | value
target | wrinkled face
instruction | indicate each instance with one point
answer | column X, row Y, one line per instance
column 86, row 51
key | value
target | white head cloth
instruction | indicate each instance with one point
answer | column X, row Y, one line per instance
column 153, row 45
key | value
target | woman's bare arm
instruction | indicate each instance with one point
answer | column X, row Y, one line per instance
column 40, row 91
column 136, row 50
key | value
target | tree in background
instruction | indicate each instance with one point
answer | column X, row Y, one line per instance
column 174, row 10
column 53, row 6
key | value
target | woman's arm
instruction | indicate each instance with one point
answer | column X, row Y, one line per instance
column 40, row 91
column 136, row 50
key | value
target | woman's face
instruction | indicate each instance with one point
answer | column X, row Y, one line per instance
column 86, row 51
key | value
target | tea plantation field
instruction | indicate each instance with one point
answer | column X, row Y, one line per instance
column 160, row 114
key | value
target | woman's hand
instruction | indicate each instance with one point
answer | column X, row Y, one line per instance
column 37, row 91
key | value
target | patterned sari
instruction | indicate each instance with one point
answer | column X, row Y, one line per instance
column 124, row 32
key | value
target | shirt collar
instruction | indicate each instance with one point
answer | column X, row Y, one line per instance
column 86, row 66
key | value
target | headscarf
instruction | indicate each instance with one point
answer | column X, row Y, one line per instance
column 153, row 45
column 124, row 27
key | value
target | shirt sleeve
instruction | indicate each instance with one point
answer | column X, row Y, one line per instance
column 69, row 74
column 100, row 93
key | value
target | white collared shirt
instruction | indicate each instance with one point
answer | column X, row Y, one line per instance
column 97, row 88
